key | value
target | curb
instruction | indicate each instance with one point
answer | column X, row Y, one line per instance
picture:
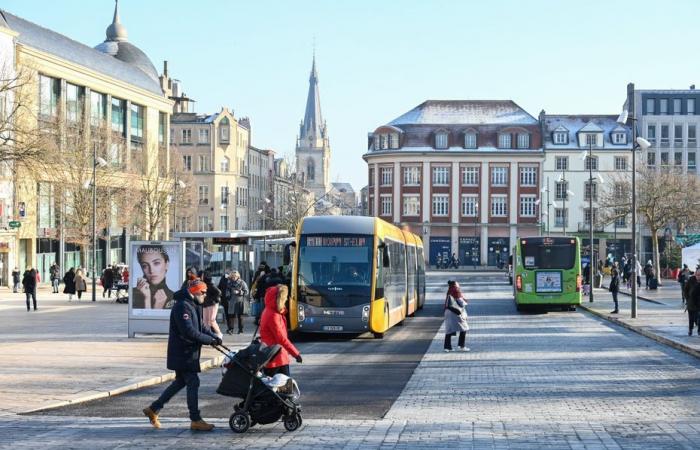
column 648, row 334
column 639, row 297
column 206, row 365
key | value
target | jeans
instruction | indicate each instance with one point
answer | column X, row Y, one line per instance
column 54, row 283
column 448, row 339
column 31, row 295
column 15, row 288
column 614, row 296
column 182, row 379
column 692, row 321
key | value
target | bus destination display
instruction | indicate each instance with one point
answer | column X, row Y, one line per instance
column 336, row 241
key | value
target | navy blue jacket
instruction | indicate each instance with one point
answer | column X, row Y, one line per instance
column 187, row 334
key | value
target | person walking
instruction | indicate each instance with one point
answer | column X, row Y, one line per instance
column 107, row 281
column 80, row 283
column 638, row 271
column 692, row 305
column 454, row 261
column 648, row 273
column 273, row 278
column 55, row 276
column 210, row 307
column 683, row 277
column 614, row 288
column 273, row 330
column 69, row 284
column 15, row 280
column 627, row 273
column 29, row 284
column 237, row 293
column 455, row 317
column 186, row 337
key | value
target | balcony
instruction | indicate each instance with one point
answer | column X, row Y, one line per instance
column 586, row 227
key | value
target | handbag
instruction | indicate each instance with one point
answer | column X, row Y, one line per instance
column 246, row 307
column 255, row 308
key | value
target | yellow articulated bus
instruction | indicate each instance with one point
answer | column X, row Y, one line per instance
column 354, row 274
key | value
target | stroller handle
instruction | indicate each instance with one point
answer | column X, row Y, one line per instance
column 219, row 348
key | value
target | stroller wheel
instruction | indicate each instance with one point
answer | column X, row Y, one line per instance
column 239, row 422
column 293, row 422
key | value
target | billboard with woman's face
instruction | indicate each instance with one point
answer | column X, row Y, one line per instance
column 156, row 273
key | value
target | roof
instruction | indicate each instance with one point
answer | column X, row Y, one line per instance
column 338, row 224
column 465, row 112
column 575, row 123
column 313, row 120
column 340, row 186
column 43, row 39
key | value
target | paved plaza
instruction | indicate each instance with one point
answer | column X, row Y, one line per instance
column 532, row 380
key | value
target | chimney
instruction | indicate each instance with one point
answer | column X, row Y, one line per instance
column 165, row 68
column 692, row 87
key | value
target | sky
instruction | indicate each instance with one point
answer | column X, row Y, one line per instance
column 378, row 59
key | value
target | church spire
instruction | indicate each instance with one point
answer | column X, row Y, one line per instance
column 312, row 128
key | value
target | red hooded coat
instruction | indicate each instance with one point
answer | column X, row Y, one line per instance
column 273, row 330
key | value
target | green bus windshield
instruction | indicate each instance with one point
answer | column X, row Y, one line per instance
column 537, row 255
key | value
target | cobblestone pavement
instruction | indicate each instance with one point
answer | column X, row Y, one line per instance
column 531, row 381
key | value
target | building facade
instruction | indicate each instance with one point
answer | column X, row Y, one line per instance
column 260, row 181
column 567, row 187
column 463, row 174
column 112, row 93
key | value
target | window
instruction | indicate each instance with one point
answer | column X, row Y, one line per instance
column 561, row 163
column 691, row 106
column 651, row 159
column 203, row 195
column 224, row 195
column 203, row 136
column 469, row 205
column 561, row 190
column 469, row 140
column 441, row 176
column 678, row 158
column 527, row 206
column 441, row 205
column 186, row 136
column 650, row 106
column 162, row 120
column 203, row 163
column 387, row 174
column 664, row 158
column 371, row 176
column 385, row 204
column 676, row 106
column 223, row 221
column 678, row 135
column 561, row 137
column 619, row 138
column 187, row 162
column 224, row 131
column 620, row 163
column 499, row 176
column 411, row 205
column 620, row 191
column 651, row 134
column 225, row 164
column 621, row 218
column 587, row 216
column 137, row 116
column 591, row 139
column 591, row 163
column 590, row 188
column 499, row 206
column 561, row 217
column 691, row 160
column 470, row 176
column 523, row 140
column 46, row 206
column 663, row 106
column 394, row 140
column 203, row 223
column 119, row 116
column 504, row 140
column 311, row 170
column 75, row 96
column 49, row 96
column 692, row 138
column 441, row 140
column 528, row 176
column 411, row 176
column 98, row 108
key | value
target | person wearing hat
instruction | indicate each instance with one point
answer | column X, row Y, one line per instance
column 187, row 335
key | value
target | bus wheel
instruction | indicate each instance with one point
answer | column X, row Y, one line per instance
column 378, row 335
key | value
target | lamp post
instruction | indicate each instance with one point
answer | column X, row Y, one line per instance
column 176, row 184
column 96, row 161
column 591, row 265
column 641, row 144
column 263, row 212
column 564, row 195
column 476, row 215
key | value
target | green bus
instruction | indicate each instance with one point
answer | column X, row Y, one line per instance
column 547, row 272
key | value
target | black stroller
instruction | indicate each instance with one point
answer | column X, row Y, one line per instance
column 262, row 404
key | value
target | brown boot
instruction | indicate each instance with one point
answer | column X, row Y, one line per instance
column 200, row 425
column 152, row 416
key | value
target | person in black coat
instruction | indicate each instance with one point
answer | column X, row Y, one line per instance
column 187, row 335
column 614, row 288
column 29, row 284
column 107, row 282
column 15, row 280
column 69, row 283
column 271, row 279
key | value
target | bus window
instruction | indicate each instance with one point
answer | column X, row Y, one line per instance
column 539, row 256
column 379, row 282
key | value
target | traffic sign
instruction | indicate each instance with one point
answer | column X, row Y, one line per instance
column 15, row 224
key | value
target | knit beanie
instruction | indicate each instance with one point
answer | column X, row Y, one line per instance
column 196, row 287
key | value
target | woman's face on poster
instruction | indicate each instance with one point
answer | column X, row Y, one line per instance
column 154, row 266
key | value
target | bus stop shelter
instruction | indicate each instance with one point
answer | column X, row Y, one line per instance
column 236, row 248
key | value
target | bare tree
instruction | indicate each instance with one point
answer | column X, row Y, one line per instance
column 664, row 198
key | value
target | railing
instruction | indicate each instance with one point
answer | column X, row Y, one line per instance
column 585, row 226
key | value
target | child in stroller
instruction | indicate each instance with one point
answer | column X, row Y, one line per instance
column 265, row 399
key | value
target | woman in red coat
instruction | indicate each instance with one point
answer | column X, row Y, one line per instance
column 273, row 330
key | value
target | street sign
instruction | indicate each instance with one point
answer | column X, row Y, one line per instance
column 15, row 224
column 229, row 241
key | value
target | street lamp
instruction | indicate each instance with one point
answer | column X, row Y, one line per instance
column 96, row 162
column 263, row 212
column 564, row 195
column 181, row 184
column 476, row 215
column 591, row 265
column 641, row 144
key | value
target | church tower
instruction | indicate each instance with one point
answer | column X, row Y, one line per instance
column 313, row 152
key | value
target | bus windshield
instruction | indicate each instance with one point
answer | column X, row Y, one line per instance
column 335, row 270
column 554, row 254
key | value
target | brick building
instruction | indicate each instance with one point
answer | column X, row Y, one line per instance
column 464, row 174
